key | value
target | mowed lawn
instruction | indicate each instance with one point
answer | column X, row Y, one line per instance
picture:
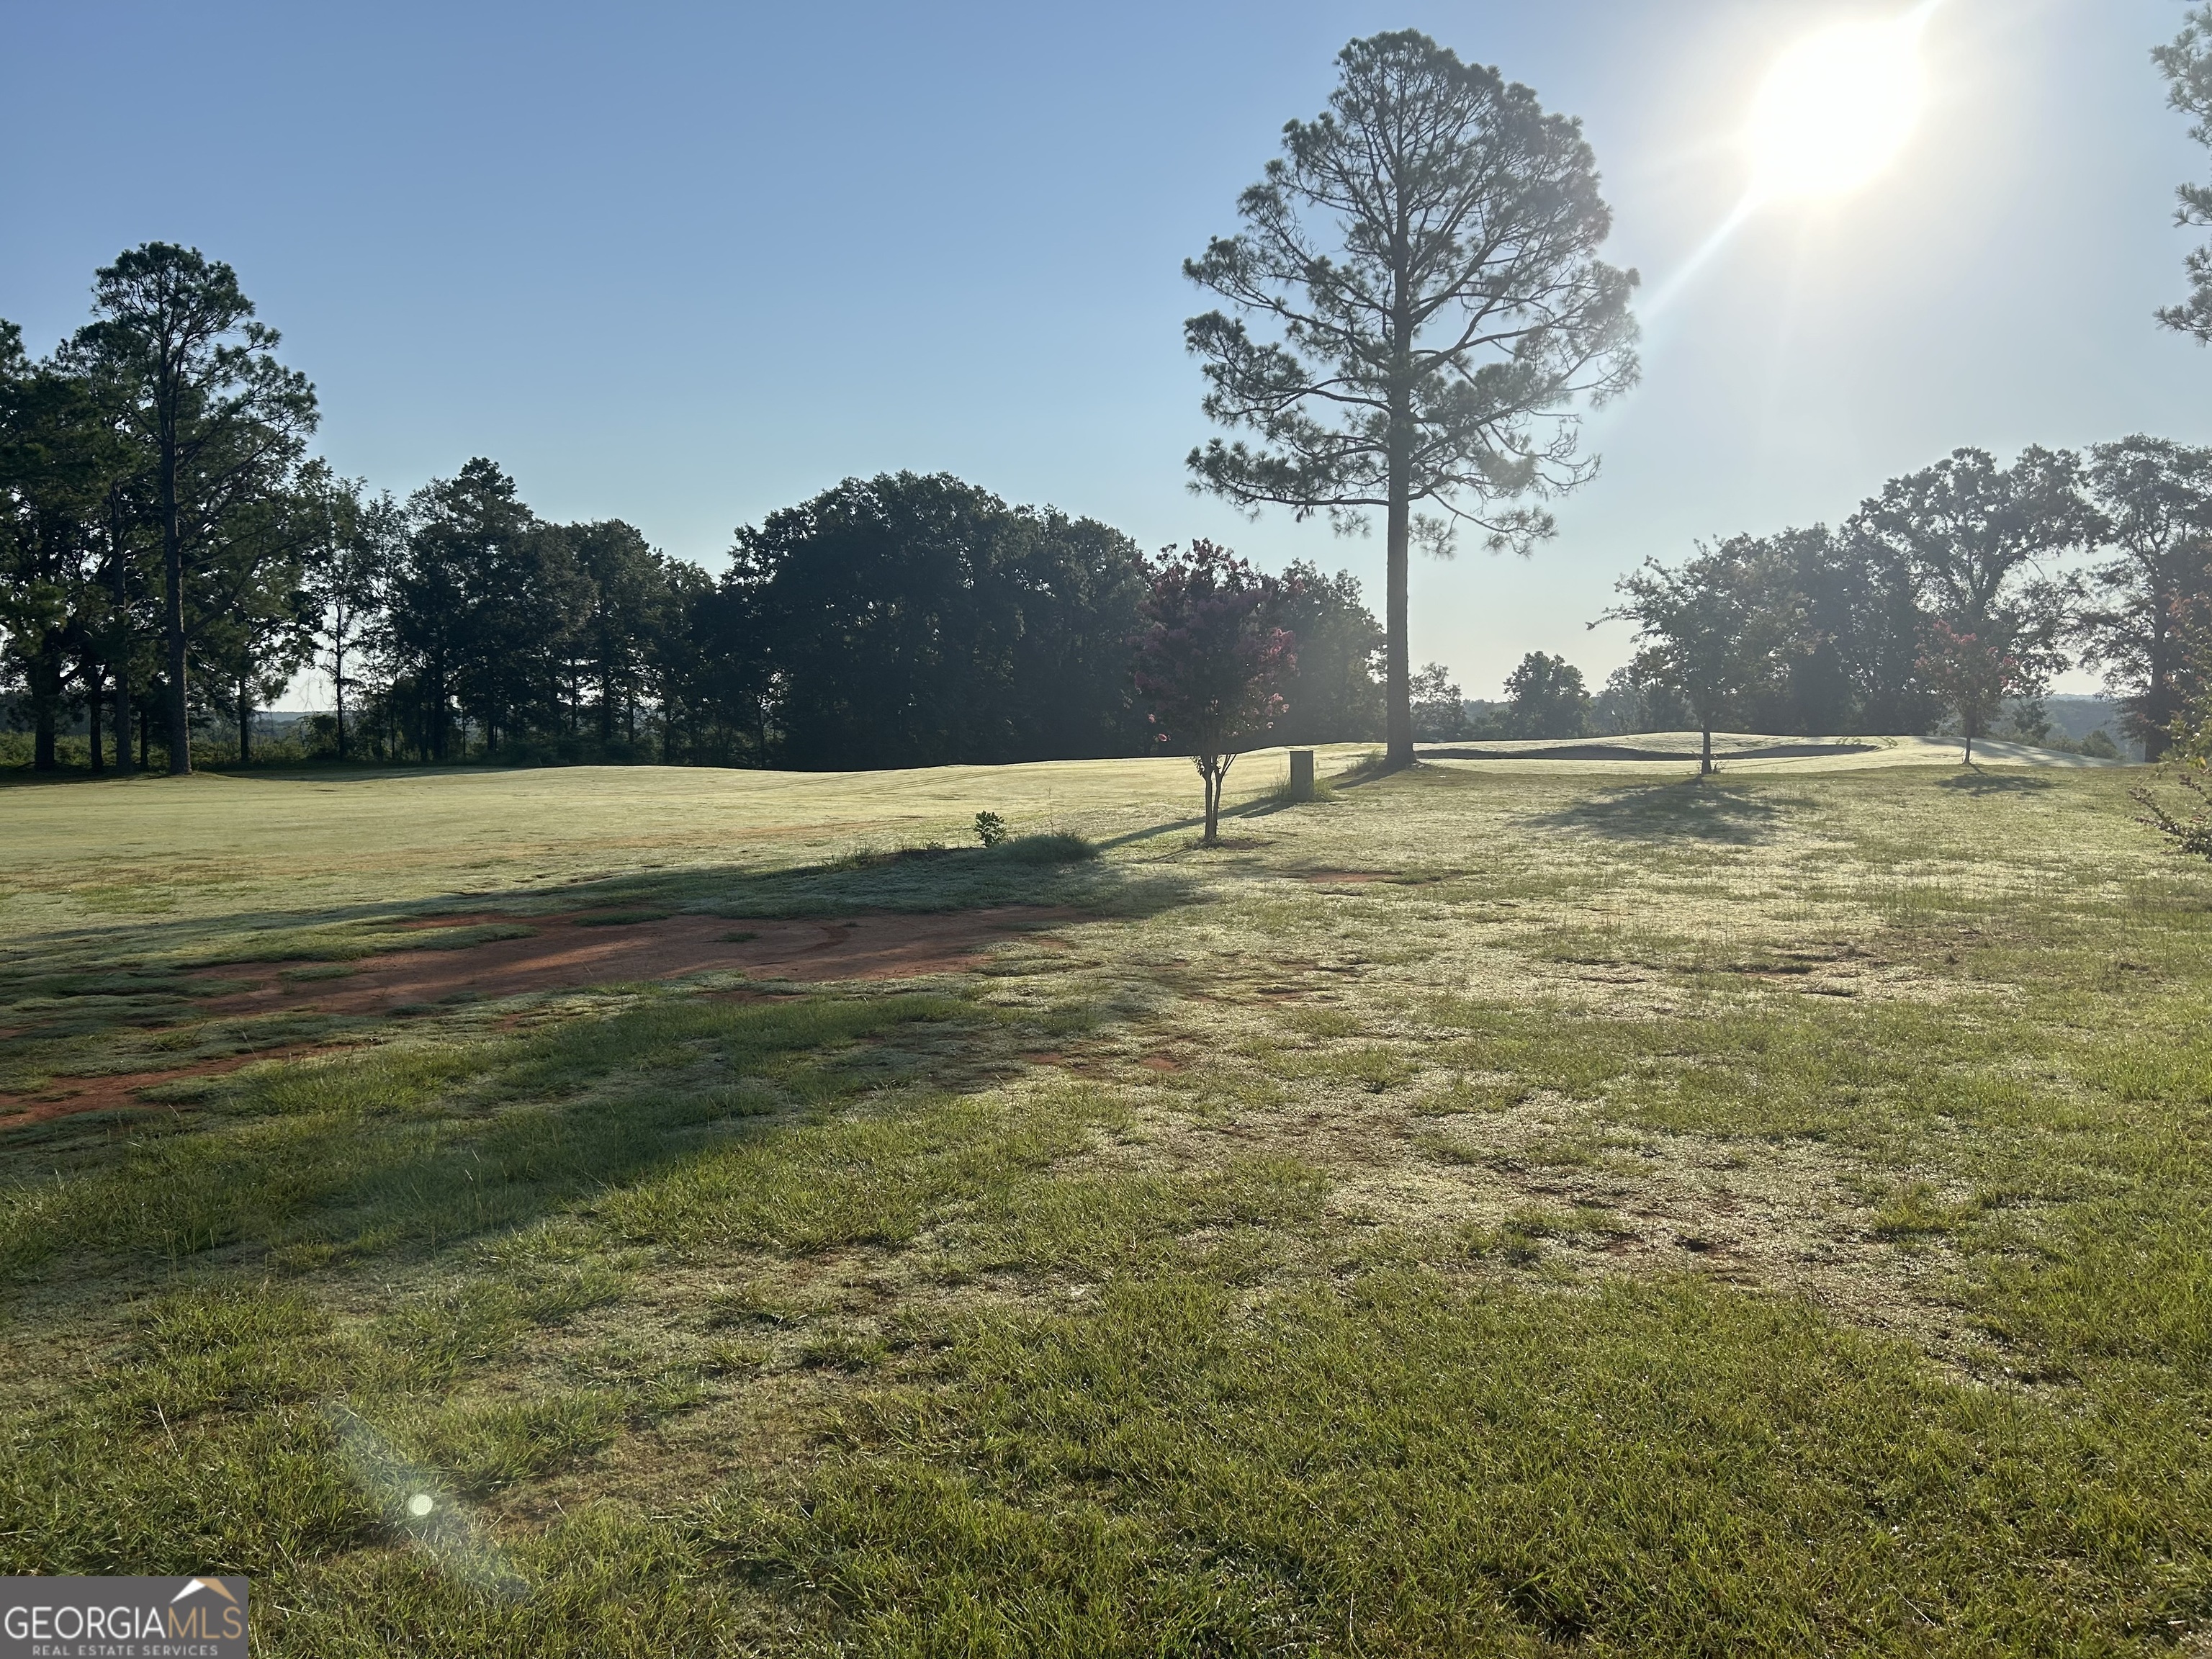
column 1518, row 1208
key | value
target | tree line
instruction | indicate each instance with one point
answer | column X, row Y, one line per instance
column 171, row 558
column 1944, row 596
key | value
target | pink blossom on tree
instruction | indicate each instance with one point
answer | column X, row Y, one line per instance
column 1971, row 675
column 1212, row 660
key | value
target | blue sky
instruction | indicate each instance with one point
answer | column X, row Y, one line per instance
column 682, row 264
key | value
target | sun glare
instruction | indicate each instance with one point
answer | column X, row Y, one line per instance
column 1836, row 109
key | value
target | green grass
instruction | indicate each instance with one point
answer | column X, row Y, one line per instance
column 1765, row 1216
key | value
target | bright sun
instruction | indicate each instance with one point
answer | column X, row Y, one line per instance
column 1836, row 109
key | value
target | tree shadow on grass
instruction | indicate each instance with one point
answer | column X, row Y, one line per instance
column 913, row 880
column 483, row 1125
column 1973, row 781
column 1686, row 810
column 402, row 1152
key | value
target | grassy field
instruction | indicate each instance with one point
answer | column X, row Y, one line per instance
column 1511, row 1207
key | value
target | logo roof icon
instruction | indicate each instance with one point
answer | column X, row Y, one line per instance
column 215, row 1584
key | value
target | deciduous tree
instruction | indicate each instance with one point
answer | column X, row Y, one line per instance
column 1977, row 539
column 1335, row 694
column 1547, row 698
column 1420, row 265
column 1211, row 663
column 1703, row 632
column 2155, row 501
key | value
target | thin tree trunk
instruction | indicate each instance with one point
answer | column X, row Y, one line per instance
column 123, row 766
column 46, row 677
column 145, row 735
column 93, row 679
column 172, row 613
column 1705, row 755
column 244, row 722
column 338, row 680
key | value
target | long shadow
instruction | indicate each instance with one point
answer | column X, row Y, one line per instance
column 419, row 1153
column 1266, row 806
column 111, row 1001
column 1686, row 810
column 1973, row 781
column 416, row 1156
column 1614, row 751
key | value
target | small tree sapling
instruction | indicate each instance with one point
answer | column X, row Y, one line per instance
column 1212, row 660
column 1972, row 676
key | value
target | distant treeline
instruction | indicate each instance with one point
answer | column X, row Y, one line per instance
column 1951, row 598
column 171, row 558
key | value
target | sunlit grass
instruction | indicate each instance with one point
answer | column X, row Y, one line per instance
column 1521, row 1211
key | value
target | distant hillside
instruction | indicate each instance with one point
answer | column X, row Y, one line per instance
column 2077, row 717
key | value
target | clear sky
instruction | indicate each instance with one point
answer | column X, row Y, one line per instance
column 685, row 263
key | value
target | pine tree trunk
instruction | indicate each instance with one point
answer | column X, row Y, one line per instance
column 245, row 723
column 1705, row 755
column 1397, row 653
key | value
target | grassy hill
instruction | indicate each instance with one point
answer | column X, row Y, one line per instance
column 1521, row 1206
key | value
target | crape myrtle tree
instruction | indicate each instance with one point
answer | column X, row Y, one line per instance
column 1212, row 661
column 1973, row 676
column 1703, row 631
column 195, row 384
column 1418, row 301
column 2155, row 498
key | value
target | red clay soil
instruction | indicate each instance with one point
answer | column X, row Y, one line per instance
column 563, row 955
column 67, row 1096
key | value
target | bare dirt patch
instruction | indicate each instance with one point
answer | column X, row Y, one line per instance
column 572, row 952
column 72, row 1096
